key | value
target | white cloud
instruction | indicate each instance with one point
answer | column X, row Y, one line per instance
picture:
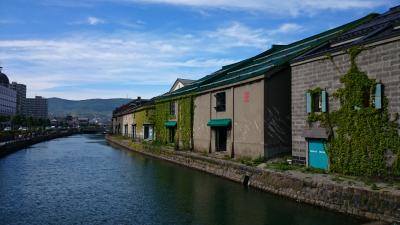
column 94, row 20
column 104, row 60
column 131, row 24
column 286, row 7
column 107, row 60
column 292, row 7
column 240, row 35
column 129, row 58
column 289, row 28
column 90, row 20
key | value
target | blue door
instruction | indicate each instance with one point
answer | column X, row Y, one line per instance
column 317, row 157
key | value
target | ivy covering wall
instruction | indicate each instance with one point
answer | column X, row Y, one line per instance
column 365, row 140
column 161, row 116
column 142, row 116
column 184, row 117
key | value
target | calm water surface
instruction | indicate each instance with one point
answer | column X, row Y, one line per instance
column 82, row 180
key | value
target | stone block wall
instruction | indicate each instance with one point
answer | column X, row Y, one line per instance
column 245, row 107
column 380, row 61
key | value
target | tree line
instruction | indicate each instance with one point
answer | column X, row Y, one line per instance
column 24, row 121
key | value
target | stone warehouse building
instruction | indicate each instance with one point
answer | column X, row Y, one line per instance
column 170, row 118
column 117, row 118
column 143, row 121
column 323, row 67
column 245, row 111
column 122, row 118
column 261, row 106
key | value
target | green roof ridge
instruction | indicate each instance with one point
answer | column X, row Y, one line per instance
column 212, row 79
column 298, row 47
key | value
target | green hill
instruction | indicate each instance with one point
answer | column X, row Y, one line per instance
column 84, row 108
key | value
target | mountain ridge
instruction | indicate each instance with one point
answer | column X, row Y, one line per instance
column 96, row 107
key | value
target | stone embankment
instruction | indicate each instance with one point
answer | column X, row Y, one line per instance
column 315, row 189
column 13, row 146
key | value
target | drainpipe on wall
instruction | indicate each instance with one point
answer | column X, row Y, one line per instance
column 209, row 146
column 233, row 124
column 191, row 122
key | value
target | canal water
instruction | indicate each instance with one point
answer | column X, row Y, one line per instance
column 82, row 180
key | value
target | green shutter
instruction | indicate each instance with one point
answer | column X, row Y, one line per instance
column 324, row 103
column 378, row 96
column 308, row 101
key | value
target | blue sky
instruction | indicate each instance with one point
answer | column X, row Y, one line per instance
column 78, row 49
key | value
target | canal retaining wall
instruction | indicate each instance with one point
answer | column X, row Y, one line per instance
column 24, row 143
column 371, row 204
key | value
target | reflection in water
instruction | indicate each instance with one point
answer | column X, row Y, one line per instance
column 82, row 180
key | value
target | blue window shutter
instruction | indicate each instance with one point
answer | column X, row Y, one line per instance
column 378, row 96
column 308, row 101
column 324, row 103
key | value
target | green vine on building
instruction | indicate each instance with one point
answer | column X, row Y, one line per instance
column 162, row 115
column 184, row 118
column 365, row 140
column 142, row 116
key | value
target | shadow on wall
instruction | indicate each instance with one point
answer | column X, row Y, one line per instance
column 277, row 136
column 277, row 122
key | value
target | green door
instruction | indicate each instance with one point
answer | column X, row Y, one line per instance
column 317, row 157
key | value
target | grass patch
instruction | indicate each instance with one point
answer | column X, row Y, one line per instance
column 313, row 170
column 279, row 166
column 374, row 187
column 283, row 166
column 259, row 160
column 120, row 137
column 371, row 182
column 337, row 179
column 251, row 162
column 227, row 157
column 136, row 145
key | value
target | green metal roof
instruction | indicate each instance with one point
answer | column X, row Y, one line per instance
column 277, row 57
column 170, row 124
column 219, row 122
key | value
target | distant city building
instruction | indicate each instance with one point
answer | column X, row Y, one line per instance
column 37, row 107
column 71, row 121
column 21, row 97
column 8, row 97
column 83, row 121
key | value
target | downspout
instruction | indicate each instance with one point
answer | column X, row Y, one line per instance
column 209, row 146
column 178, row 131
column 191, row 122
column 233, row 124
